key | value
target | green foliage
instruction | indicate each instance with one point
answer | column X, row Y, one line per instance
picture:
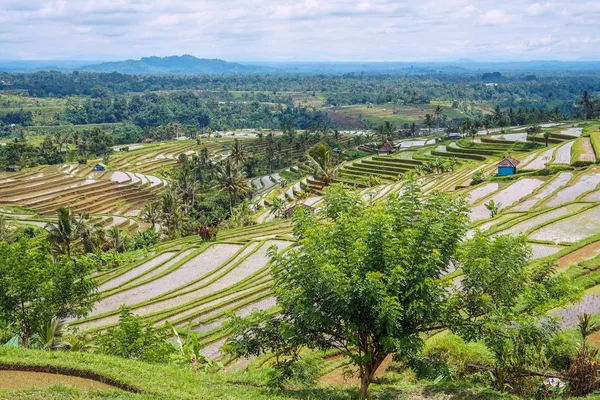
column 477, row 178
column 189, row 354
column 132, row 339
column 36, row 289
column 340, row 201
column 360, row 282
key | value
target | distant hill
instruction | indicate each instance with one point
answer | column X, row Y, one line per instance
column 179, row 65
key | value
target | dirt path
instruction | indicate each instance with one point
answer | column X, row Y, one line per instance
column 337, row 377
column 16, row 380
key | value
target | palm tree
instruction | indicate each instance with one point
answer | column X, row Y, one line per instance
column 151, row 213
column 232, row 179
column 89, row 235
column 64, row 233
column 438, row 115
column 188, row 187
column 322, row 161
column 238, row 156
column 429, row 122
column 116, row 239
column 171, row 210
column 386, row 130
column 546, row 137
column 278, row 207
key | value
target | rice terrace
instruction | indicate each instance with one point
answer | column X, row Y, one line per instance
column 174, row 227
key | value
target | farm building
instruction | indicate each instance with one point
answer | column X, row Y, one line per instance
column 100, row 167
column 508, row 166
column 386, row 149
column 147, row 140
column 14, row 168
column 454, row 136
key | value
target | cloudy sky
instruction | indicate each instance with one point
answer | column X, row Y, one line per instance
column 332, row 30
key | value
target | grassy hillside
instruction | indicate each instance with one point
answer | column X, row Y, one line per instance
column 177, row 383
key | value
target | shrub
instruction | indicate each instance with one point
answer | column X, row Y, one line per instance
column 131, row 339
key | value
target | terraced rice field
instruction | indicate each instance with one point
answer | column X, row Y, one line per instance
column 563, row 154
column 586, row 182
column 540, row 161
column 572, row 229
column 558, row 182
column 506, row 197
column 194, row 285
column 45, row 191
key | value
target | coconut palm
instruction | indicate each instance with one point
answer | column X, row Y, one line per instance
column 64, row 233
column 232, row 179
column 238, row 155
column 322, row 162
column 188, row 187
column 438, row 114
column 171, row 211
column 278, row 207
column 386, row 130
column 151, row 213
column 429, row 122
column 546, row 137
column 116, row 239
column 90, row 235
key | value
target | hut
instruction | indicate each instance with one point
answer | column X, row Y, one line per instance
column 14, row 168
column 507, row 167
column 100, row 167
column 148, row 140
column 386, row 149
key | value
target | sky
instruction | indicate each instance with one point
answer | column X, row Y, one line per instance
column 300, row 30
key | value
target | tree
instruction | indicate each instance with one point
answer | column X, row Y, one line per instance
column 588, row 106
column 116, row 239
column 369, row 284
column 429, row 122
column 386, row 130
column 323, row 163
column 278, row 207
column 232, row 179
column 438, row 114
column 64, row 233
column 37, row 290
column 151, row 213
column 238, row 156
column 546, row 137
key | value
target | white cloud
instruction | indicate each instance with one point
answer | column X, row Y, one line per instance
column 536, row 9
column 494, row 17
column 358, row 30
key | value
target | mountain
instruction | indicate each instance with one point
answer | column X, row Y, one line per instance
column 175, row 65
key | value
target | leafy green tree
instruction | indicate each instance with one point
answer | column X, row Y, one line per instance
column 238, row 155
column 359, row 285
column 36, row 289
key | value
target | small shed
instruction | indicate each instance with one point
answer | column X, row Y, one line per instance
column 100, row 167
column 14, row 168
column 507, row 167
column 148, row 140
column 290, row 211
column 386, row 149
column 454, row 136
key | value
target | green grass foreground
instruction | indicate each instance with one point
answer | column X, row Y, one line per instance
column 175, row 383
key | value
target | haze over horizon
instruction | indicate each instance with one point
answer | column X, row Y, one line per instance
column 309, row 30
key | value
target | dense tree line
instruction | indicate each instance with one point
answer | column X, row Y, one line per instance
column 508, row 90
column 186, row 107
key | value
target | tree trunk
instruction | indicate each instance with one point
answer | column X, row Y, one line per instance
column 368, row 373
